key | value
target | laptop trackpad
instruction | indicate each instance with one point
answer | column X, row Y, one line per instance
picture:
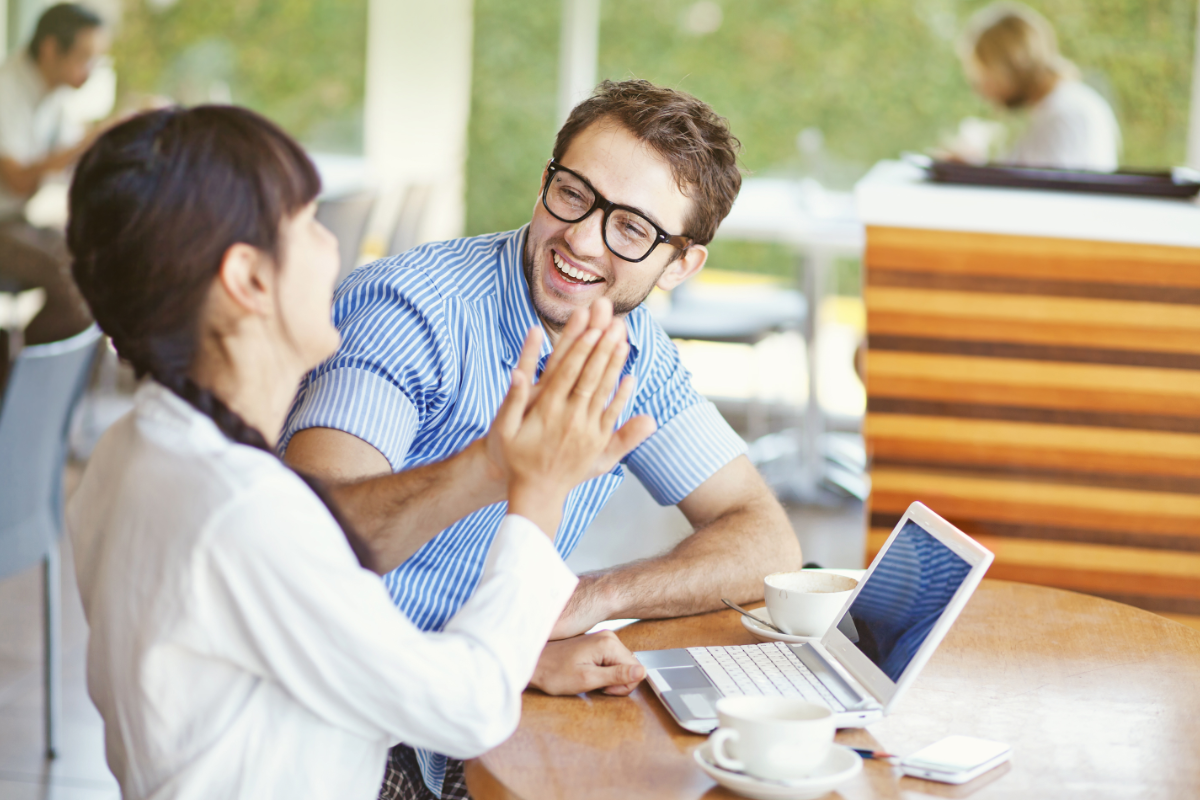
column 677, row 678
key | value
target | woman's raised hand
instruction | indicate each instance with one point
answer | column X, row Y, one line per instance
column 551, row 437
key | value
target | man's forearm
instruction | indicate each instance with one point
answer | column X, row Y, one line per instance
column 396, row 514
column 24, row 179
column 728, row 557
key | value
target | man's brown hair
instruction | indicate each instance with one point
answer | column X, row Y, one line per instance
column 686, row 132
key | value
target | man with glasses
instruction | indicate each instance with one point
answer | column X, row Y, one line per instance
column 640, row 178
column 38, row 139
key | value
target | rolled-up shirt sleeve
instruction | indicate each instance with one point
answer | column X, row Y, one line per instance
column 393, row 371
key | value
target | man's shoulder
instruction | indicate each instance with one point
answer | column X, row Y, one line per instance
column 464, row 268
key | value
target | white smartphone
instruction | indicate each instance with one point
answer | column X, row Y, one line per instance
column 955, row 759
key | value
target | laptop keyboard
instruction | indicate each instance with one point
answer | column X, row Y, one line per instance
column 762, row 669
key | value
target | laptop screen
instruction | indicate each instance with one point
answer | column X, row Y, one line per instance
column 903, row 598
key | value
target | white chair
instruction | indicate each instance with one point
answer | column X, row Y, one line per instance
column 347, row 216
column 44, row 386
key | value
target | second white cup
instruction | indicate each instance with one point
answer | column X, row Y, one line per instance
column 806, row 603
column 778, row 738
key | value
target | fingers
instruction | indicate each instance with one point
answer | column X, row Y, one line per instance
column 601, row 313
column 604, row 390
column 599, row 374
column 612, row 413
column 627, row 439
column 618, row 679
column 575, row 327
column 566, row 372
column 531, row 351
column 508, row 417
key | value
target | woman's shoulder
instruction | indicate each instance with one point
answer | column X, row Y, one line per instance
column 161, row 476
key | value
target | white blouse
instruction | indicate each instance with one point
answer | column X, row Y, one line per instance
column 237, row 648
column 1073, row 127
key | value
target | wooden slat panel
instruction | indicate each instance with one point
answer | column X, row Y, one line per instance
column 905, row 437
column 1041, row 503
column 1036, row 384
column 1054, row 321
column 1044, row 395
column 1031, row 257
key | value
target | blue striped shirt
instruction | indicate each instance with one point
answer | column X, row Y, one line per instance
column 429, row 341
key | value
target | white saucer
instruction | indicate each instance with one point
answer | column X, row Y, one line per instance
column 841, row 765
column 765, row 634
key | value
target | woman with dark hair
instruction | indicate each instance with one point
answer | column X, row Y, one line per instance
column 238, row 648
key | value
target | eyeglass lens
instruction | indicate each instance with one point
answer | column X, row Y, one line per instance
column 626, row 233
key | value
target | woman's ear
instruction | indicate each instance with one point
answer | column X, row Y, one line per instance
column 248, row 277
column 684, row 267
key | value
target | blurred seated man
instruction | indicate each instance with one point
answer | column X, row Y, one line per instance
column 36, row 140
column 639, row 180
column 1010, row 55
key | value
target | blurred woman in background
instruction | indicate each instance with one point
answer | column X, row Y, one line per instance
column 1010, row 55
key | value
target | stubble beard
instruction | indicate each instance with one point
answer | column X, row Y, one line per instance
column 622, row 305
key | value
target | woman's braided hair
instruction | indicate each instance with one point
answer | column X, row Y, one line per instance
column 154, row 206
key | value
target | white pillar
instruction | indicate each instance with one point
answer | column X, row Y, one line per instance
column 1193, row 148
column 578, row 49
column 418, row 100
column 3, row 30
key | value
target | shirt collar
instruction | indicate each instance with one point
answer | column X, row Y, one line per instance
column 517, row 314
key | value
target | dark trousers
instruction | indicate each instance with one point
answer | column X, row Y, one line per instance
column 403, row 780
column 37, row 258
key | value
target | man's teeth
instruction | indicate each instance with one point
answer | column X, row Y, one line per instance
column 571, row 272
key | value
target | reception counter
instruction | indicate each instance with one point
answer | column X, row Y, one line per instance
column 1033, row 374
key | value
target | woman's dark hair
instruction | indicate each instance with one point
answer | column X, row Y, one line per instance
column 61, row 22
column 154, row 205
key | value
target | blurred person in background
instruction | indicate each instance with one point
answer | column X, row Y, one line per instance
column 1010, row 55
column 38, row 139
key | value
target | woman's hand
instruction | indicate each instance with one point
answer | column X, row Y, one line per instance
column 549, row 439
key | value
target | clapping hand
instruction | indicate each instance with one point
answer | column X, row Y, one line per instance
column 549, row 438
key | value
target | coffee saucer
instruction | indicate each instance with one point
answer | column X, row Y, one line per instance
column 765, row 634
column 839, row 766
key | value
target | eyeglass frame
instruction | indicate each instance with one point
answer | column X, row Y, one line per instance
column 607, row 207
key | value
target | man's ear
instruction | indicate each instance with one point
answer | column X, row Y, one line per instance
column 248, row 277
column 684, row 267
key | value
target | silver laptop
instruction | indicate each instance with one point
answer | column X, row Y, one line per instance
column 898, row 614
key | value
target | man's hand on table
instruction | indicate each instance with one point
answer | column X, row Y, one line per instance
column 584, row 663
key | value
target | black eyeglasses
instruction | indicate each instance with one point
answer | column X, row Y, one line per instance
column 629, row 235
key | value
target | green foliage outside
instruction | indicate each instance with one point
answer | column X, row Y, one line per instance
column 300, row 62
column 875, row 77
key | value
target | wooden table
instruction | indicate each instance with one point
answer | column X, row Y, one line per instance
column 1098, row 700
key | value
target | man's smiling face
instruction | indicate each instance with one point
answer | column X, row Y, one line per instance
column 567, row 265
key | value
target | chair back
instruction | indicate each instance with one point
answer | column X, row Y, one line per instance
column 43, row 389
column 347, row 216
column 406, row 233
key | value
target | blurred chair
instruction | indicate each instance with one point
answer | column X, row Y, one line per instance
column 743, row 318
column 410, row 219
column 746, row 316
column 44, row 387
column 347, row 216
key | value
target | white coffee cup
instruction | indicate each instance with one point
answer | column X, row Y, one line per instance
column 805, row 603
column 778, row 738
